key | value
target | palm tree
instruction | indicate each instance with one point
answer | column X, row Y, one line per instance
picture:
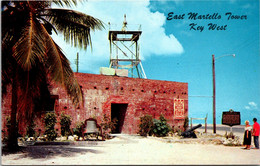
column 31, row 58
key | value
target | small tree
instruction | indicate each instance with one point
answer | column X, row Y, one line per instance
column 107, row 125
column 78, row 129
column 65, row 123
column 50, row 121
column 186, row 123
column 146, row 125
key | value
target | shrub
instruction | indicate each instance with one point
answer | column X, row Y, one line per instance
column 50, row 121
column 30, row 132
column 186, row 123
column 65, row 123
column 5, row 134
column 8, row 126
column 78, row 129
column 146, row 125
column 177, row 130
column 160, row 127
column 108, row 126
column 230, row 135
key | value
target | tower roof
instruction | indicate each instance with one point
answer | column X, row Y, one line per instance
column 128, row 35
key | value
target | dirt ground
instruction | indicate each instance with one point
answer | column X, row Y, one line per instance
column 126, row 149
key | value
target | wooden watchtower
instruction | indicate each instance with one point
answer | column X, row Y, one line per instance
column 124, row 50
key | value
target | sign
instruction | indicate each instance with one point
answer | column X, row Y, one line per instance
column 178, row 108
column 231, row 118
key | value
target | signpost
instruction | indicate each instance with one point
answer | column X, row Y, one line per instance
column 231, row 118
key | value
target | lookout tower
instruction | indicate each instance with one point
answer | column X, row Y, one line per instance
column 124, row 50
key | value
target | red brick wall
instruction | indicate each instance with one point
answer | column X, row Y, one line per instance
column 142, row 96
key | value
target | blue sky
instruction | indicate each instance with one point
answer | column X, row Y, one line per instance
column 172, row 50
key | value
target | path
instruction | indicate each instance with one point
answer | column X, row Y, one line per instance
column 125, row 149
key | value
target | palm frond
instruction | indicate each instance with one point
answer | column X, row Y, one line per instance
column 58, row 67
column 70, row 82
column 4, row 4
column 29, row 47
column 75, row 26
column 48, row 26
column 63, row 3
column 10, row 24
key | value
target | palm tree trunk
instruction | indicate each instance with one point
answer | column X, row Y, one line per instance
column 12, row 141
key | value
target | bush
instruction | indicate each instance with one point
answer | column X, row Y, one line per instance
column 186, row 123
column 108, row 126
column 78, row 129
column 8, row 126
column 65, row 123
column 177, row 130
column 30, row 132
column 146, row 125
column 50, row 121
column 149, row 126
column 160, row 127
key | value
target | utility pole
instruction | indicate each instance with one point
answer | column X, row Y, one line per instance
column 214, row 94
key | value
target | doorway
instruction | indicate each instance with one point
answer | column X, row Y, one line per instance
column 118, row 111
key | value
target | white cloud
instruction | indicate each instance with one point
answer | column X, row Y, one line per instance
column 251, row 106
column 153, row 41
